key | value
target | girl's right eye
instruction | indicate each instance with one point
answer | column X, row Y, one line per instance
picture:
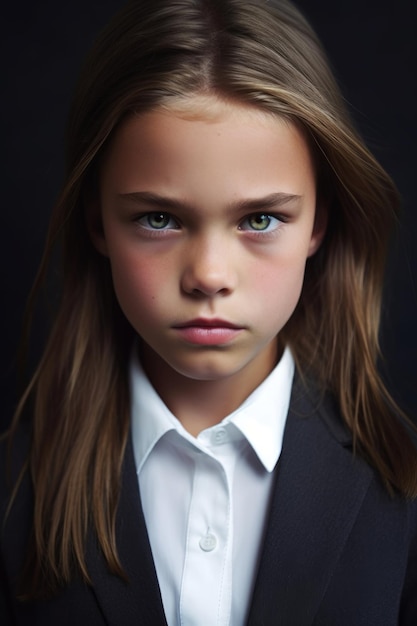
column 157, row 221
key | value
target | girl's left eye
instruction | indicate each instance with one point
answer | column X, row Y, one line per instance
column 260, row 222
column 157, row 221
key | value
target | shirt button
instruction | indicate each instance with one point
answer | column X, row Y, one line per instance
column 219, row 436
column 208, row 542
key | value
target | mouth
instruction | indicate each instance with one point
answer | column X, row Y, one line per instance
column 208, row 331
column 202, row 322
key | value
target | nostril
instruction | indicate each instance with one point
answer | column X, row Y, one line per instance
column 207, row 278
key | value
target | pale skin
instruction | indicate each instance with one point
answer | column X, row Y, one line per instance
column 208, row 220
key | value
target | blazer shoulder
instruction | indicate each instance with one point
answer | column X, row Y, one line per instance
column 309, row 401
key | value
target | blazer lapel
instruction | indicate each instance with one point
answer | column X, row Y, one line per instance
column 137, row 601
column 318, row 492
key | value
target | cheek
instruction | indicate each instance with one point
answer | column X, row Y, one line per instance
column 285, row 271
column 277, row 287
column 135, row 283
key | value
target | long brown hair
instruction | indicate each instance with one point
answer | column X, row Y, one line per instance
column 153, row 53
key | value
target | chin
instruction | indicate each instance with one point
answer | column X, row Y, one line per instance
column 207, row 369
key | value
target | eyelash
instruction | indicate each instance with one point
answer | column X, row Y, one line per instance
column 274, row 220
column 143, row 222
column 158, row 214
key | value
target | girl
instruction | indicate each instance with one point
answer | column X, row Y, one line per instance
column 206, row 439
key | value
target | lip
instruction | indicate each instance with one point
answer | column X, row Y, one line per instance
column 205, row 322
column 208, row 332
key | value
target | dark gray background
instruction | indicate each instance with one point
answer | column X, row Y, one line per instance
column 372, row 47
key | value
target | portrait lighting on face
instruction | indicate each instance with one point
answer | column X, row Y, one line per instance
column 207, row 438
column 208, row 224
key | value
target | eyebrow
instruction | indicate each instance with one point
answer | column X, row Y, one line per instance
column 271, row 201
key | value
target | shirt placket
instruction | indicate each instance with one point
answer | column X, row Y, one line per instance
column 207, row 574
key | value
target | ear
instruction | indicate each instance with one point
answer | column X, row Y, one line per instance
column 94, row 223
column 319, row 229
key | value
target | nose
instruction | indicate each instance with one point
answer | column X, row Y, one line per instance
column 209, row 268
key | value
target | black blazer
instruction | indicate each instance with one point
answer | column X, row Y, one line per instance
column 338, row 550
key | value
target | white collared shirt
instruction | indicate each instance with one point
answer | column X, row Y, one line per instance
column 205, row 499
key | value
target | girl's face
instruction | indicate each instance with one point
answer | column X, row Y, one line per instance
column 208, row 222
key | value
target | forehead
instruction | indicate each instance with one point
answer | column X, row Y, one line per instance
column 199, row 142
column 209, row 109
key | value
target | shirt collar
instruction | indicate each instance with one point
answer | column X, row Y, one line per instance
column 261, row 417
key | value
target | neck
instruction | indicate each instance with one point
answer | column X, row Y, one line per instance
column 200, row 404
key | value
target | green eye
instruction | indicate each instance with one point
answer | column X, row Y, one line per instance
column 259, row 222
column 158, row 220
